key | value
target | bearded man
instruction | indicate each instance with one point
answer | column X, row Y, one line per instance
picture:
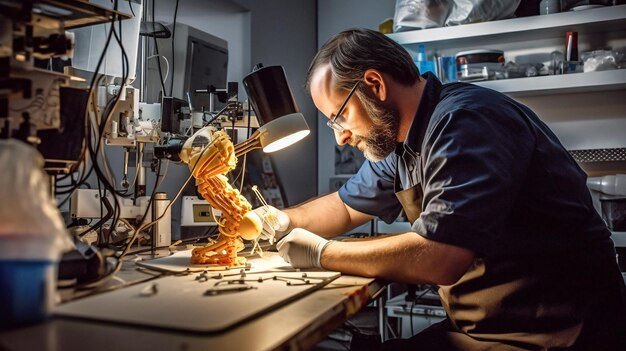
column 502, row 220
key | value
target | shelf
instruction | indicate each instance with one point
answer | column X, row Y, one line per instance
column 523, row 28
column 71, row 13
column 559, row 84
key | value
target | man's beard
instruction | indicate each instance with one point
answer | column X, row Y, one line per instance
column 380, row 140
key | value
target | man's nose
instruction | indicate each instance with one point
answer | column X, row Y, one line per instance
column 343, row 138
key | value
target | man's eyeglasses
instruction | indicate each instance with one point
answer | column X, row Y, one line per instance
column 332, row 123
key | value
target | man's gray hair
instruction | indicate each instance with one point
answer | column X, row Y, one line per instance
column 352, row 52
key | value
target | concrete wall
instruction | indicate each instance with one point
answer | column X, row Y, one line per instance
column 333, row 17
column 283, row 32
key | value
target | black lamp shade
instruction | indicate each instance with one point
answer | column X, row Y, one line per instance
column 269, row 93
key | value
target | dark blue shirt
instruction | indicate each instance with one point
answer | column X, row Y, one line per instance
column 495, row 179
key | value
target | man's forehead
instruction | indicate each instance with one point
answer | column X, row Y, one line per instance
column 321, row 90
column 322, row 79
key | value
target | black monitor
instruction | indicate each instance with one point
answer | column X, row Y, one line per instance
column 207, row 66
column 200, row 60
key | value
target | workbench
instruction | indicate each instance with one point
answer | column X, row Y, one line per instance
column 297, row 325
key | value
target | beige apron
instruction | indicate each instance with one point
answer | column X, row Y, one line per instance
column 525, row 303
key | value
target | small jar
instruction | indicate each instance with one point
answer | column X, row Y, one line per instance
column 547, row 7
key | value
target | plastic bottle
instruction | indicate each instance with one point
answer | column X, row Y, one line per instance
column 547, row 7
column 572, row 65
column 422, row 63
column 610, row 185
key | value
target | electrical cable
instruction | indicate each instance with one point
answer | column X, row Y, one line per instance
column 413, row 301
column 157, row 182
column 243, row 167
column 94, row 136
column 173, row 52
column 146, row 225
column 101, row 176
column 118, row 264
column 92, row 84
column 102, row 220
column 167, row 63
column 213, row 118
column 156, row 50
column 131, row 8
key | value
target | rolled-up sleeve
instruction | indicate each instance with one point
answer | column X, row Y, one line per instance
column 371, row 190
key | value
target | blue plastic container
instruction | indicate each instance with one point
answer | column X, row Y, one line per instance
column 424, row 65
column 26, row 291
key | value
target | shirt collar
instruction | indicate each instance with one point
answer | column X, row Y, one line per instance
column 428, row 103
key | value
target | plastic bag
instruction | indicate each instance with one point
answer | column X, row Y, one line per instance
column 472, row 11
column 420, row 14
column 31, row 226
column 601, row 60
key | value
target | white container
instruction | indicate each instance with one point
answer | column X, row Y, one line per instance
column 610, row 184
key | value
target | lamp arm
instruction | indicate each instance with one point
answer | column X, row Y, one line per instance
column 254, row 142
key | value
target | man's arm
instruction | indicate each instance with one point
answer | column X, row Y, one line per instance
column 326, row 216
column 407, row 257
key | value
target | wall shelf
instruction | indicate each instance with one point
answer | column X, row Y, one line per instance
column 525, row 33
column 72, row 14
column 520, row 29
column 559, row 84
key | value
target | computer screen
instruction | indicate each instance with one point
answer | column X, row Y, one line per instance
column 208, row 65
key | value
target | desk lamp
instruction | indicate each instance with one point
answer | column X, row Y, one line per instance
column 270, row 97
column 275, row 135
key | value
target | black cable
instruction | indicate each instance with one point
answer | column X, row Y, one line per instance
column 413, row 301
column 131, row 9
column 245, row 159
column 101, row 177
column 125, row 74
column 96, row 135
column 411, row 316
column 173, row 67
column 89, row 135
column 77, row 183
column 156, row 50
column 217, row 114
column 125, row 251
column 94, row 79
column 145, row 214
column 102, row 220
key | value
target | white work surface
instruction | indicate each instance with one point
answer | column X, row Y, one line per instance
column 181, row 262
column 296, row 325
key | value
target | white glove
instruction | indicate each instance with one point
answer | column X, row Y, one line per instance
column 302, row 249
column 275, row 223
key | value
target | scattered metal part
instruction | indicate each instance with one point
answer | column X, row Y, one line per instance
column 150, row 290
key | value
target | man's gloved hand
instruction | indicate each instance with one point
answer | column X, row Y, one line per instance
column 302, row 249
column 275, row 223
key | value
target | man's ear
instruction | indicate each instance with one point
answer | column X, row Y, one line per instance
column 375, row 81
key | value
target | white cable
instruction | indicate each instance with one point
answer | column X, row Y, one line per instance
column 166, row 62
